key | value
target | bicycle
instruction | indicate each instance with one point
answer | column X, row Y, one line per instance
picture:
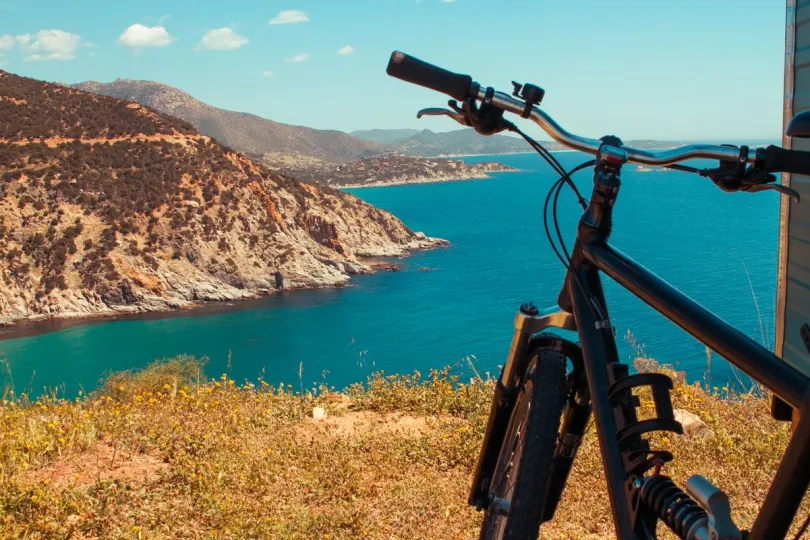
column 541, row 408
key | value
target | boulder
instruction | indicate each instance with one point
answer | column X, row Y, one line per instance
column 693, row 426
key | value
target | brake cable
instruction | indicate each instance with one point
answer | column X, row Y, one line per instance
column 554, row 205
column 565, row 177
column 552, row 161
column 685, row 168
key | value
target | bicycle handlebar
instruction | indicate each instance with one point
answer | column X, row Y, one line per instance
column 415, row 71
column 462, row 87
column 591, row 146
column 790, row 161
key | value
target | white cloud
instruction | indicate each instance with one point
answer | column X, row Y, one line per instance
column 221, row 39
column 139, row 36
column 289, row 16
column 49, row 45
column 267, row 73
column 448, row 1
column 6, row 42
column 296, row 58
column 348, row 49
column 163, row 18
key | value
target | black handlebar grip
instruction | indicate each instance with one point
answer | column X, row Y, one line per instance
column 789, row 161
column 413, row 70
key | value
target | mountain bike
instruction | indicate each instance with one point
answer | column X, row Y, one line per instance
column 550, row 386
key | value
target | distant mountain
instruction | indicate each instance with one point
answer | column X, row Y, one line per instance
column 243, row 132
column 427, row 143
column 329, row 157
column 326, row 157
column 384, row 136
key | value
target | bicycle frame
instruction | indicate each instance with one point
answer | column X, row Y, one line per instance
column 599, row 349
column 584, row 309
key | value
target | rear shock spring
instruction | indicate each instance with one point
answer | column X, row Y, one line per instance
column 674, row 507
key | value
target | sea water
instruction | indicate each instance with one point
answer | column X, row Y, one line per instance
column 454, row 306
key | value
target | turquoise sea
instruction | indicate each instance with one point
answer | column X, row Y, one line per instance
column 717, row 247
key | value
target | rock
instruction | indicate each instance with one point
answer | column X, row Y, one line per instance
column 318, row 413
column 426, row 269
column 335, row 397
column 392, row 267
column 337, row 265
column 419, row 235
column 354, row 268
column 693, row 426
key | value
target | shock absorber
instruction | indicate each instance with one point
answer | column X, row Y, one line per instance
column 672, row 505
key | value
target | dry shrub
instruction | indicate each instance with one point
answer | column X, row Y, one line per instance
column 246, row 461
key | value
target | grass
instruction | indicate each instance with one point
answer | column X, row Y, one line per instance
column 165, row 452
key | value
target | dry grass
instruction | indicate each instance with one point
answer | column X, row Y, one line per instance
column 166, row 453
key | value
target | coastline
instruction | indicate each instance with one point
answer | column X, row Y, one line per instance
column 423, row 180
column 561, row 150
column 449, row 156
column 70, row 319
column 426, row 180
column 36, row 325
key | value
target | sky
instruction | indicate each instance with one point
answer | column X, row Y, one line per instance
column 665, row 69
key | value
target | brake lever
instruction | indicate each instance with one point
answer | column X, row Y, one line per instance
column 438, row 111
column 784, row 190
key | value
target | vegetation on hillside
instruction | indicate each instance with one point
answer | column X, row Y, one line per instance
column 383, row 170
column 165, row 452
column 32, row 110
column 107, row 205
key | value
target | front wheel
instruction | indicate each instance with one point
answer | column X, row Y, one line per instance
column 520, row 481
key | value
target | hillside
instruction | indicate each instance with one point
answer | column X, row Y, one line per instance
column 243, row 132
column 167, row 453
column 107, row 206
column 461, row 142
column 384, row 136
column 328, row 157
column 383, row 170
column 256, row 136
column 466, row 141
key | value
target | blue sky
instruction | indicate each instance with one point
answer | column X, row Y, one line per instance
column 674, row 69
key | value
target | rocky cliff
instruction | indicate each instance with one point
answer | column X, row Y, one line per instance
column 107, row 206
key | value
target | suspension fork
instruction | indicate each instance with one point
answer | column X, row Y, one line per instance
column 528, row 322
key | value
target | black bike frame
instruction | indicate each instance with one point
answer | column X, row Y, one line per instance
column 582, row 289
